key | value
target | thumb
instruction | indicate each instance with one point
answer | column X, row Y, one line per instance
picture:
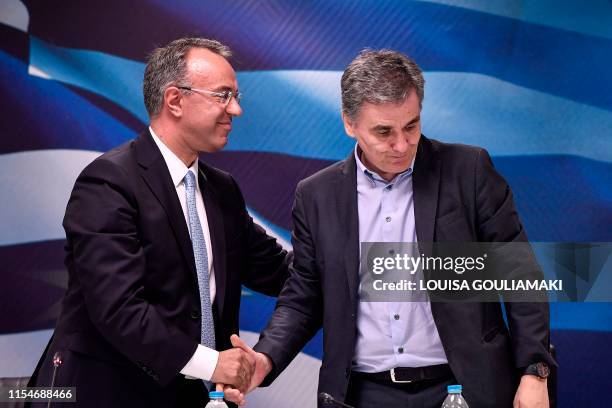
column 238, row 342
column 219, row 387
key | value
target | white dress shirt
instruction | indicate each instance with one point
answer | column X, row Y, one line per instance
column 203, row 362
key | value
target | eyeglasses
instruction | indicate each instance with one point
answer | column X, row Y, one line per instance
column 223, row 97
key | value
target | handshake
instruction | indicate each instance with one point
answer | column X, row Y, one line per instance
column 240, row 370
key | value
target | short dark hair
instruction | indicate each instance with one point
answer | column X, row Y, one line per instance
column 379, row 76
column 166, row 66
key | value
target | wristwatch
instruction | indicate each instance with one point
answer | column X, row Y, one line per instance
column 540, row 370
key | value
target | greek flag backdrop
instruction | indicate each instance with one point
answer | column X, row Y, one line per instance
column 528, row 80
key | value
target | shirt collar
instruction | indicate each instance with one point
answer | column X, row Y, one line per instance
column 374, row 177
column 177, row 168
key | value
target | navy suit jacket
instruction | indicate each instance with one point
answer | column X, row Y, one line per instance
column 130, row 318
column 458, row 197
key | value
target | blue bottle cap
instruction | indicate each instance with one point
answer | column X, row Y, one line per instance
column 454, row 389
column 215, row 394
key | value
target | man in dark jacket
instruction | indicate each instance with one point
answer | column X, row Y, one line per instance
column 399, row 186
column 158, row 247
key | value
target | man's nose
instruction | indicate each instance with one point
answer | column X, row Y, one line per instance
column 401, row 144
column 233, row 108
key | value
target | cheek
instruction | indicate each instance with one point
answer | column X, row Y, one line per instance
column 207, row 119
column 376, row 146
column 382, row 151
column 415, row 136
column 217, row 113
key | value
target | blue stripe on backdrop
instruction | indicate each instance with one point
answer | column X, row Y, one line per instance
column 560, row 198
column 267, row 180
column 116, row 111
column 307, row 35
column 39, row 114
column 587, row 18
column 117, row 79
column 593, row 317
column 468, row 108
column 584, row 372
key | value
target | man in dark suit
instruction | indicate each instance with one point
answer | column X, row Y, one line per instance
column 158, row 246
column 399, row 186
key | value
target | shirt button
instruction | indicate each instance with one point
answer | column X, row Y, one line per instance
column 396, row 317
column 400, row 350
column 388, row 219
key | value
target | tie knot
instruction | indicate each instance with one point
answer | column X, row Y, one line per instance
column 189, row 179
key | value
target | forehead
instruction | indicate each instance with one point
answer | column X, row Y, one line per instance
column 206, row 68
column 390, row 113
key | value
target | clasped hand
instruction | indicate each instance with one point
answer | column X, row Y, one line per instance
column 240, row 370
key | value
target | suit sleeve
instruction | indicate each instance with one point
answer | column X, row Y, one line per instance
column 498, row 221
column 299, row 309
column 267, row 263
column 109, row 264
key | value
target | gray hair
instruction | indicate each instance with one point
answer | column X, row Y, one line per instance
column 379, row 76
column 167, row 66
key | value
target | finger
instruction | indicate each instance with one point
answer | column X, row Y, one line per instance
column 250, row 355
column 233, row 395
column 238, row 342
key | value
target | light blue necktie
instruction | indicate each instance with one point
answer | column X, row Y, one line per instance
column 201, row 261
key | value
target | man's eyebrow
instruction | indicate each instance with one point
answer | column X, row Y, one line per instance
column 223, row 88
column 381, row 127
column 414, row 120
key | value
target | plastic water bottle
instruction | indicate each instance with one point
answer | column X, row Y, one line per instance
column 454, row 399
column 216, row 400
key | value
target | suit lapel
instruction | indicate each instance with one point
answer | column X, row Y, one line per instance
column 347, row 212
column 157, row 176
column 214, row 215
column 425, row 186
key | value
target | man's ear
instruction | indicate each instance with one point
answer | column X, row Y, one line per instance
column 348, row 126
column 173, row 101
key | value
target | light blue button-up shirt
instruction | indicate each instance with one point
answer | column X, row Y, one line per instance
column 391, row 334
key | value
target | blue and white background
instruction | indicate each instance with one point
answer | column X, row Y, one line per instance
column 528, row 80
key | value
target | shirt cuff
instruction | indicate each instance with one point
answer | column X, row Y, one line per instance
column 202, row 364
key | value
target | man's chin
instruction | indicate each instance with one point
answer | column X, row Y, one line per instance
column 399, row 168
column 213, row 148
column 221, row 143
